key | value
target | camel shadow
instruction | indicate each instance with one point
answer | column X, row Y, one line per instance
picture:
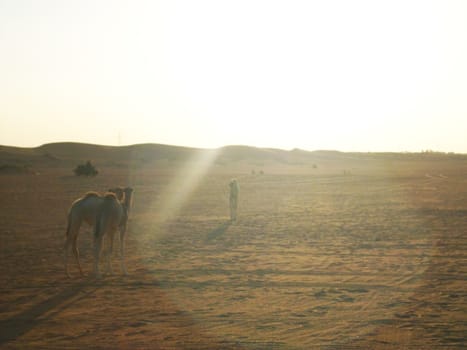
column 218, row 231
column 21, row 323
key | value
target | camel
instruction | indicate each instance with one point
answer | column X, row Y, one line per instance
column 109, row 217
column 85, row 209
column 234, row 189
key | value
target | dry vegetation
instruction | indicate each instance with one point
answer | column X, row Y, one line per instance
column 331, row 250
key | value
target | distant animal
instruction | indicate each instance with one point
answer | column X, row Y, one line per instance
column 233, row 199
column 109, row 217
column 85, row 209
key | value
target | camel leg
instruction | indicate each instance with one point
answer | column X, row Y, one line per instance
column 76, row 253
column 97, row 253
column 65, row 251
column 109, row 253
column 122, row 249
column 71, row 240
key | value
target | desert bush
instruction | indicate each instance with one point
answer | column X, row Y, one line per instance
column 86, row 169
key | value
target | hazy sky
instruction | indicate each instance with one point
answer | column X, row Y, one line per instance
column 346, row 75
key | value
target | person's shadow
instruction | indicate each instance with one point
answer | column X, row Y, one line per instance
column 218, row 231
column 26, row 320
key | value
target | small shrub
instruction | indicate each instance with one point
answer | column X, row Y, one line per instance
column 86, row 169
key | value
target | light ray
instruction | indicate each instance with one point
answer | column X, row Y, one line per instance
column 184, row 183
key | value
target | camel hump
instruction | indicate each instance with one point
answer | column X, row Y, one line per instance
column 109, row 196
column 91, row 194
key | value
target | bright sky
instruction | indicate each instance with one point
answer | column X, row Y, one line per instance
column 344, row 75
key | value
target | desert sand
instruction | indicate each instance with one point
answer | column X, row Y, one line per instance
column 330, row 250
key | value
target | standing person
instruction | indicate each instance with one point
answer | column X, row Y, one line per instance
column 234, row 189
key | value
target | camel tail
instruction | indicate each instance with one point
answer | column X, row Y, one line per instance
column 99, row 223
column 68, row 226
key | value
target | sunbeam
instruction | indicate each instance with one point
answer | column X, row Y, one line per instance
column 184, row 183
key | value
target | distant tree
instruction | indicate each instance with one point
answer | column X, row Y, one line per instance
column 86, row 169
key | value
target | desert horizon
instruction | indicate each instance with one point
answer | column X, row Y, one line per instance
column 186, row 146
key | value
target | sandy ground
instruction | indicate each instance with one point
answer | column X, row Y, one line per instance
column 367, row 259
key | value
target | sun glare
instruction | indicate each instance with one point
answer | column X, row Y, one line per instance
column 347, row 75
column 184, row 183
column 306, row 74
